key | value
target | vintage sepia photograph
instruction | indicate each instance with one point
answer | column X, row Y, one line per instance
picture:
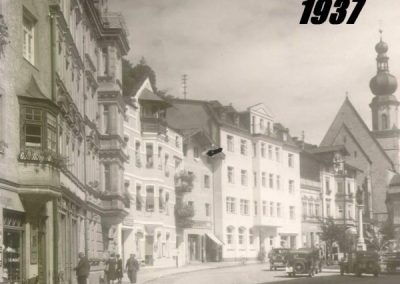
column 199, row 141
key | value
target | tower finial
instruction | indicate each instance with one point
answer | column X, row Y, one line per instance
column 380, row 32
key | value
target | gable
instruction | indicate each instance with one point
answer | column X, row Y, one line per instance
column 348, row 116
column 262, row 110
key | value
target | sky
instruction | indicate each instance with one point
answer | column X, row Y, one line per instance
column 249, row 51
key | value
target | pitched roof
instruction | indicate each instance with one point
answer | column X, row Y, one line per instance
column 329, row 134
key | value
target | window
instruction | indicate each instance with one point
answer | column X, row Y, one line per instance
column 241, row 235
column 150, row 198
column 270, row 152
column 349, row 188
column 254, row 150
column 290, row 160
column 243, row 147
column 207, row 209
column 304, row 208
column 139, row 200
column 230, row 143
column 191, row 204
column 271, row 181
column 243, row 177
column 327, row 185
column 161, row 202
column 149, row 155
column 196, row 153
column 40, row 129
column 291, row 186
column 292, row 213
column 263, row 150
column 229, row 235
column 317, row 210
column 231, row 178
column 340, row 211
column 264, row 179
column 262, row 126
column 278, row 210
column 278, row 182
column 206, row 181
column 251, row 237
column 230, row 205
column 255, row 179
column 271, row 209
column 328, row 209
column 107, row 177
column 244, row 207
column 106, row 122
column 255, row 208
column 29, row 39
column 264, row 208
column 277, row 154
column 185, row 149
column 385, row 122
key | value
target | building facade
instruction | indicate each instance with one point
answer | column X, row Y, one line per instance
column 155, row 152
column 62, row 162
column 256, row 180
column 328, row 191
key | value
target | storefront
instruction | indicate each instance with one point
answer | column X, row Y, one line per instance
column 12, row 249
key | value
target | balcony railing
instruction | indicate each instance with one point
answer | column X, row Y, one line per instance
column 114, row 20
column 154, row 125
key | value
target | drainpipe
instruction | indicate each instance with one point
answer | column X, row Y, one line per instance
column 53, row 98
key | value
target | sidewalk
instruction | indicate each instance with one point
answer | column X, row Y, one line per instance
column 148, row 274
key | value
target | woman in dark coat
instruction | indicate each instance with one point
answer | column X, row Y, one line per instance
column 120, row 273
column 132, row 265
column 111, row 269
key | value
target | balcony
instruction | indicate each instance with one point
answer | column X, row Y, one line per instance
column 183, row 215
column 341, row 196
column 154, row 125
column 114, row 20
column 184, row 182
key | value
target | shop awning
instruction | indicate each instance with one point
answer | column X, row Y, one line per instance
column 214, row 239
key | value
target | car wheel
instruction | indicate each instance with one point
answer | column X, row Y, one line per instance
column 299, row 267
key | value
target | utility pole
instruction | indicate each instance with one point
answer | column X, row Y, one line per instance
column 184, row 85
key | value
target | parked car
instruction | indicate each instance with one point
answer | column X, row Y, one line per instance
column 391, row 260
column 303, row 261
column 277, row 258
column 360, row 262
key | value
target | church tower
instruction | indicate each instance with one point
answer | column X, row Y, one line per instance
column 384, row 105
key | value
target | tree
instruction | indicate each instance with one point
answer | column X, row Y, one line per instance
column 133, row 76
column 378, row 237
column 333, row 233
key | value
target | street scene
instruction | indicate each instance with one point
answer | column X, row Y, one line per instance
column 213, row 141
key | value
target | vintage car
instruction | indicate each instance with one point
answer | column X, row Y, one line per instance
column 360, row 262
column 277, row 258
column 303, row 261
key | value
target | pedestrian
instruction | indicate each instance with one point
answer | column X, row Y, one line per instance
column 82, row 269
column 120, row 272
column 111, row 269
column 132, row 266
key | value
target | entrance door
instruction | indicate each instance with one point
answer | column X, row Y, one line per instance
column 12, row 265
column 194, row 248
column 149, row 250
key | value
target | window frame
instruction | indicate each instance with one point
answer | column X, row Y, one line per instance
column 28, row 18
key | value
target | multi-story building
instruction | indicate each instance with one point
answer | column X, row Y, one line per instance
column 155, row 152
column 256, row 180
column 62, row 156
column 200, row 242
column 328, row 190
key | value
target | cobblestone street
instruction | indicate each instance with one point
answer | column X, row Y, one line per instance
column 258, row 274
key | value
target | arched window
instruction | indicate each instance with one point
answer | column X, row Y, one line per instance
column 241, row 235
column 229, row 235
column 385, row 122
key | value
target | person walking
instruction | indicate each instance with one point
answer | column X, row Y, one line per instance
column 132, row 266
column 82, row 269
column 120, row 272
column 111, row 269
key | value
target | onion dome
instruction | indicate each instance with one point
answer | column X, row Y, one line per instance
column 383, row 83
